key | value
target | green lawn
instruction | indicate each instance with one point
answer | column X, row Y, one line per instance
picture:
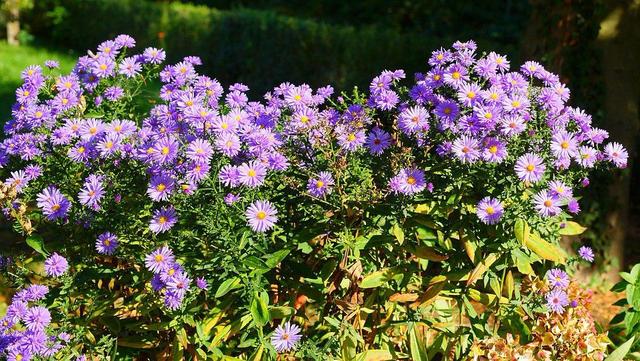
column 13, row 59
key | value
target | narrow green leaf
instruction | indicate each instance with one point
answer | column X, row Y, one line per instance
column 227, row 286
column 36, row 242
column 619, row 353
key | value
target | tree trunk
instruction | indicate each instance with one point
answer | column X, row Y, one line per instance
column 619, row 41
column 13, row 22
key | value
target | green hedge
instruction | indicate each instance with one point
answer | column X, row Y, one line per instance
column 259, row 48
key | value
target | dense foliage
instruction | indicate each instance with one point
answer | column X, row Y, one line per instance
column 416, row 220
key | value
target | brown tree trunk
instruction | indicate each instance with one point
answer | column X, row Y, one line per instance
column 13, row 21
column 619, row 40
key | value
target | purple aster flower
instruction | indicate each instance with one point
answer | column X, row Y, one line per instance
column 159, row 260
column 563, row 144
column 113, row 93
column 92, row 191
column 55, row 265
column 512, row 125
column 277, row 161
column 261, row 216
column 153, row 55
column 199, row 150
column 18, row 179
column 489, row 210
column 413, row 120
column 163, row 219
column 130, row 67
column 447, row 110
column 466, row 149
column 616, row 154
column 160, row 187
column 468, row 94
column 494, row 150
column 37, row 318
column 252, row 174
column 377, row 141
column 558, row 278
column 456, row 75
column 530, row 168
column 173, row 300
column 53, row 204
column 229, row 175
column 286, row 337
column 18, row 354
column 165, row 150
column 560, row 190
column 349, row 139
column 229, row 144
column 201, row 283
column 107, row 243
column 408, row 181
column 573, row 206
column 586, row 253
column 91, row 128
column 52, row 64
column 103, row 66
column 546, row 203
column 231, row 198
column 125, row 41
column 557, row 300
column 178, row 284
column 320, row 186
column 587, row 156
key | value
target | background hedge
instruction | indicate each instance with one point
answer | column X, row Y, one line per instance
column 258, row 47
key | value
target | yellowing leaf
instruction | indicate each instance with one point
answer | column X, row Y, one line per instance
column 572, row 229
column 398, row 233
column 435, row 286
column 521, row 229
column 378, row 278
column 545, row 249
column 428, row 253
column 481, row 268
column 374, row 355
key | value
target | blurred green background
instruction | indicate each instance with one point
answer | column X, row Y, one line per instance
column 593, row 44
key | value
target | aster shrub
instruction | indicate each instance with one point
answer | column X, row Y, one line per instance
column 406, row 221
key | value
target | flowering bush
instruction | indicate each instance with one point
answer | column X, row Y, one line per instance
column 397, row 223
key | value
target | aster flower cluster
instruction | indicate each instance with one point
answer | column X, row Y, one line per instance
column 469, row 138
column 24, row 330
column 169, row 277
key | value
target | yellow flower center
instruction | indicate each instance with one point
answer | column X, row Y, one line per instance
column 160, row 187
column 447, row 110
column 159, row 258
column 171, row 272
column 93, row 130
column 471, row 94
column 488, row 115
column 304, row 119
column 107, row 242
column 26, row 93
column 109, row 145
column 490, row 210
column 547, row 203
column 297, row 97
column 351, row 137
column 55, row 207
column 515, row 104
column 38, row 114
column 162, row 220
column 455, row 75
column 165, row 150
column 251, row 173
column 493, row 149
column 436, row 77
column 103, row 66
column 411, row 180
column 465, row 150
column 439, row 56
column 564, row 145
column 531, row 167
column 319, row 184
column 261, row 215
column 224, row 125
column 80, row 150
column 67, row 84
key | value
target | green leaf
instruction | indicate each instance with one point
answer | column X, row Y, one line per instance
column 521, row 229
column 255, row 263
column 572, row 229
column 397, row 231
column 619, row 353
column 227, row 286
column 522, row 261
column 259, row 309
column 378, row 278
column 275, row 258
column 417, row 346
column 281, row 312
column 36, row 242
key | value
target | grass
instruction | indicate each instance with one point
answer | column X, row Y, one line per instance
column 13, row 59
